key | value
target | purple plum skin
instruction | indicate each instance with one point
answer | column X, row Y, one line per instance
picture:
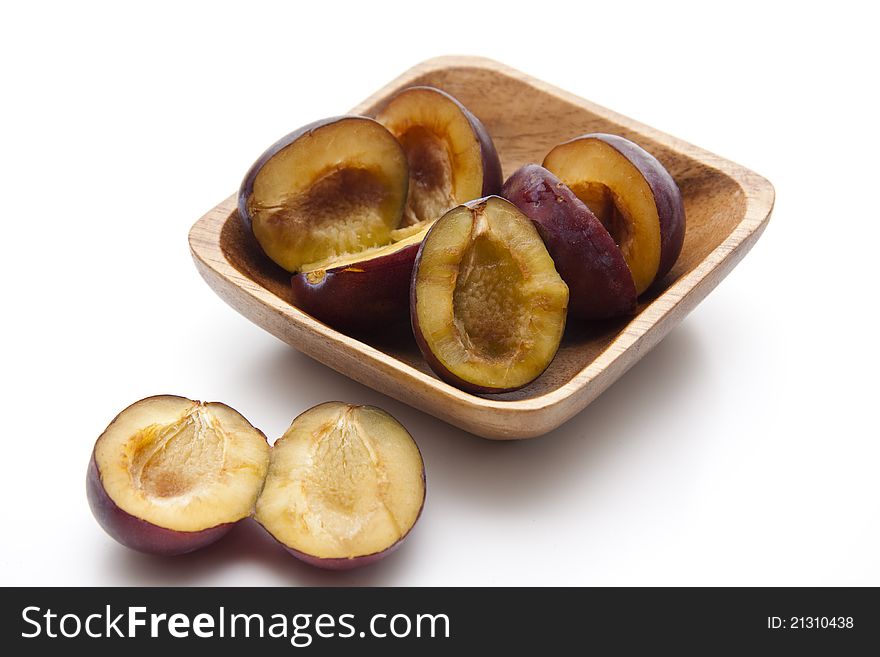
column 586, row 257
column 361, row 297
column 139, row 534
column 343, row 564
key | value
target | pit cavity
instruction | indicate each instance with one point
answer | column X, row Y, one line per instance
column 343, row 211
column 347, row 192
column 488, row 307
column 338, row 193
column 173, row 460
column 346, row 484
column 607, row 207
column 430, row 176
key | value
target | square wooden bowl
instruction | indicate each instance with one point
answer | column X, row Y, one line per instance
column 727, row 208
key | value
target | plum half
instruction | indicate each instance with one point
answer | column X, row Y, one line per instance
column 360, row 292
column 599, row 281
column 451, row 156
column 487, row 305
column 171, row 475
column 631, row 193
column 331, row 188
column 346, row 484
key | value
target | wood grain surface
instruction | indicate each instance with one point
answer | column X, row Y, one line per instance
column 727, row 208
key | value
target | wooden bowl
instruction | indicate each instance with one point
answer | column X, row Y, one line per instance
column 727, row 208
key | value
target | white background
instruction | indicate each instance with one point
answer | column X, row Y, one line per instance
column 742, row 450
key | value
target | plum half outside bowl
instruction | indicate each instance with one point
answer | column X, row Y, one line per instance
column 487, row 305
column 599, row 281
column 331, row 188
column 631, row 193
column 145, row 492
column 345, row 486
column 452, row 158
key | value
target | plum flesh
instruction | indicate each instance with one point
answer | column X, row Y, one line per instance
column 331, row 188
column 451, row 156
column 487, row 305
column 345, row 486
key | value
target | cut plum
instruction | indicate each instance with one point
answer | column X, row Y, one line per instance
column 599, row 281
column 331, row 188
column 360, row 292
column 487, row 305
column 633, row 196
column 170, row 475
column 345, row 486
column 451, row 156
